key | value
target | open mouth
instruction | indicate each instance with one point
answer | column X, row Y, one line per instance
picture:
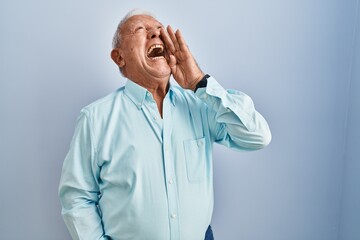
column 156, row 51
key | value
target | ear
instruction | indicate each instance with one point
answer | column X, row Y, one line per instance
column 117, row 57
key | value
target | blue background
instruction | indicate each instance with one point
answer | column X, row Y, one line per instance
column 298, row 59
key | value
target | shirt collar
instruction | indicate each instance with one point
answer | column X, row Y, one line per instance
column 172, row 94
column 137, row 93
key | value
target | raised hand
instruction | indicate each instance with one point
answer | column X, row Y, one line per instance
column 183, row 66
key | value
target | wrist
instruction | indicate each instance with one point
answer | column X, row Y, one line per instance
column 196, row 81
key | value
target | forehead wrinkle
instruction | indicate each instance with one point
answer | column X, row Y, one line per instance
column 129, row 26
column 132, row 23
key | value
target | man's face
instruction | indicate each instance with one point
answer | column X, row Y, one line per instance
column 142, row 49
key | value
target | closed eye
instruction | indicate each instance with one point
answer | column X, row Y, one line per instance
column 140, row 28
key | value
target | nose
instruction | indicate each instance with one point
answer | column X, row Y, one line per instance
column 153, row 33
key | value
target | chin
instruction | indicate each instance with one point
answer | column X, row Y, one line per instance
column 160, row 70
column 165, row 75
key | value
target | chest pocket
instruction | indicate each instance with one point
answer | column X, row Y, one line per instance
column 195, row 159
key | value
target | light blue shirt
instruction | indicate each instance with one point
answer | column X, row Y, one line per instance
column 130, row 174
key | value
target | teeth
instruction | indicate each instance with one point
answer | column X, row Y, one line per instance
column 157, row 57
column 155, row 46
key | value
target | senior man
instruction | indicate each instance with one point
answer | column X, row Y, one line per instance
column 140, row 161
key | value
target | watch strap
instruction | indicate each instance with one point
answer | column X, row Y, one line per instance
column 202, row 83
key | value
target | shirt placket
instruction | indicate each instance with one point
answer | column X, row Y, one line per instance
column 152, row 115
column 170, row 178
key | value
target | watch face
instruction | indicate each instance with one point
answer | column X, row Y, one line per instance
column 203, row 81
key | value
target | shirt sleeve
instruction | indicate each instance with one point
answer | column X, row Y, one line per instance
column 233, row 120
column 78, row 189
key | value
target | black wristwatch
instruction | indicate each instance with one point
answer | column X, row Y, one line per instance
column 202, row 83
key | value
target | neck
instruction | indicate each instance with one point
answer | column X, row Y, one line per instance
column 159, row 94
column 158, row 89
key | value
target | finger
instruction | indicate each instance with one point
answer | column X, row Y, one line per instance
column 172, row 65
column 166, row 38
column 173, row 38
column 172, row 62
column 181, row 41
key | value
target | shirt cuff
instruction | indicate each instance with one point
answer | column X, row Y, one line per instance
column 219, row 99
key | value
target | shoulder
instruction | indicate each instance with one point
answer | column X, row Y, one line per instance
column 104, row 104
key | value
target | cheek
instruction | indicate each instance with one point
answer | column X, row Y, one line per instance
column 134, row 47
column 131, row 52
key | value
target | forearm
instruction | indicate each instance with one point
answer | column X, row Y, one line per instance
column 83, row 221
column 79, row 205
column 232, row 117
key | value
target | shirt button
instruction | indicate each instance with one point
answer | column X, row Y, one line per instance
column 173, row 216
column 155, row 118
column 171, row 181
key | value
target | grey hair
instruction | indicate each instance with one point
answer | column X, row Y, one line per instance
column 117, row 36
